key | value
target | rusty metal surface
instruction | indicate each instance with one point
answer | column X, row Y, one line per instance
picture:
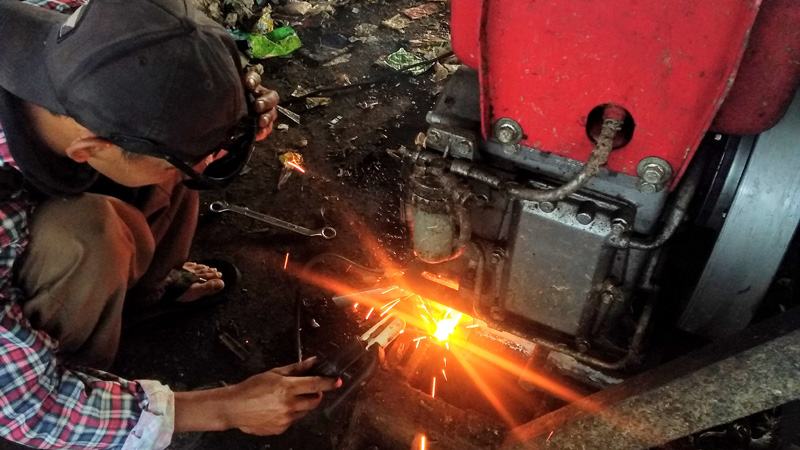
column 754, row 370
column 390, row 415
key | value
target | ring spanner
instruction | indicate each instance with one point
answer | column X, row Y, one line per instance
column 325, row 232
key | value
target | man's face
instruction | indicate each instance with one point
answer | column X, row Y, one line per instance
column 129, row 169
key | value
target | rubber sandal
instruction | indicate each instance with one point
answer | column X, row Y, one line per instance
column 169, row 304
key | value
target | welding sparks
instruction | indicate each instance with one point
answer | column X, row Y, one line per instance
column 447, row 345
column 445, row 362
column 355, row 306
column 390, row 308
column 422, row 443
column 446, row 327
column 389, row 290
column 392, row 303
column 445, row 375
column 433, row 388
column 416, row 346
column 369, row 313
column 473, row 326
column 549, row 436
column 425, row 318
column 420, row 338
column 286, row 262
column 296, row 166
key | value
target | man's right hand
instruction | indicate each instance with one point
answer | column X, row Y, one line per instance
column 264, row 404
column 268, row 403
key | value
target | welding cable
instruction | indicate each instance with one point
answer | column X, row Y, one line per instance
column 335, row 89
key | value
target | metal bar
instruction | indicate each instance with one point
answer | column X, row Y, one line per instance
column 754, row 370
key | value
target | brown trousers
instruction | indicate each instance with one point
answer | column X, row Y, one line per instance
column 88, row 253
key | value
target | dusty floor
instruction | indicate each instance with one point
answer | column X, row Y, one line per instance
column 351, row 184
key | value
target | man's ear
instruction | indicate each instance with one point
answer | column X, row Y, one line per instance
column 84, row 148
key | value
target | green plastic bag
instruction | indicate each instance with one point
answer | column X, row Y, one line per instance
column 281, row 41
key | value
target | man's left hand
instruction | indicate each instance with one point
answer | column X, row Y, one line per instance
column 265, row 102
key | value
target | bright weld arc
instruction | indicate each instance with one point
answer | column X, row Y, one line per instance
column 298, row 168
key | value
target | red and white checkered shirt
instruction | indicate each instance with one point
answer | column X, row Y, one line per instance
column 42, row 403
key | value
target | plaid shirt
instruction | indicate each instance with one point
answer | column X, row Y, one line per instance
column 42, row 403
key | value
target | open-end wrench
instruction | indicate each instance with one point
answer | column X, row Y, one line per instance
column 325, row 232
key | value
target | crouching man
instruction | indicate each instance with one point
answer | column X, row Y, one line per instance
column 144, row 94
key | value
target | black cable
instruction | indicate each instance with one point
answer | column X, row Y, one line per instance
column 332, row 89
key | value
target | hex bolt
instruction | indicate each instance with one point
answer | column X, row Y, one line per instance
column 497, row 256
column 619, row 226
column 508, row 131
column 647, row 188
column 547, row 207
column 586, row 213
column 653, row 170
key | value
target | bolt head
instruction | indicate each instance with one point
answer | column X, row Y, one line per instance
column 653, row 174
column 506, row 134
column 584, row 218
column 647, row 188
column 547, row 207
column 434, row 136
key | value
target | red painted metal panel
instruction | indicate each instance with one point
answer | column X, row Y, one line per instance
column 548, row 63
column 769, row 74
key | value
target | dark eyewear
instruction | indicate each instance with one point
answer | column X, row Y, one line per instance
column 220, row 173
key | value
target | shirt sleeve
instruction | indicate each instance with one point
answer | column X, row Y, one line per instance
column 45, row 405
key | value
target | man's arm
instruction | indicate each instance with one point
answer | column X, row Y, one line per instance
column 264, row 404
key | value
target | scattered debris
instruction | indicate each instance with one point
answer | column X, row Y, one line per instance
column 297, row 8
column 397, row 23
column 440, row 73
column 281, row 41
column 420, row 139
column 421, row 11
column 233, row 345
column 313, row 102
column 294, row 117
column 365, row 29
column 283, row 127
column 402, row 59
column 343, row 79
column 333, row 122
column 338, row 60
column 300, row 91
column 368, row 103
column 265, row 24
column 291, row 161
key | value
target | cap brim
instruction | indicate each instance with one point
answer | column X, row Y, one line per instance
column 24, row 32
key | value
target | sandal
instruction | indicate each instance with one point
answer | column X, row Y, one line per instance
column 169, row 304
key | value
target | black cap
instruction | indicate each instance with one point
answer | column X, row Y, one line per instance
column 156, row 70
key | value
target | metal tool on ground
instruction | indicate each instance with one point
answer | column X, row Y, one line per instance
column 355, row 362
column 325, row 232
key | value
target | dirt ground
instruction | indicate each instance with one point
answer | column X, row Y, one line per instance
column 351, row 183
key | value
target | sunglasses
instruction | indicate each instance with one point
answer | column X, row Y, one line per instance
column 220, row 173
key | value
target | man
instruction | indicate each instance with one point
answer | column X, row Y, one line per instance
column 143, row 93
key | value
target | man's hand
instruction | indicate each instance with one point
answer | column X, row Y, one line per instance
column 264, row 404
column 266, row 101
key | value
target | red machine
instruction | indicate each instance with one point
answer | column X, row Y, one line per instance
column 600, row 130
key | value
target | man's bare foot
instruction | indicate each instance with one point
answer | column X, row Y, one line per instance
column 213, row 282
